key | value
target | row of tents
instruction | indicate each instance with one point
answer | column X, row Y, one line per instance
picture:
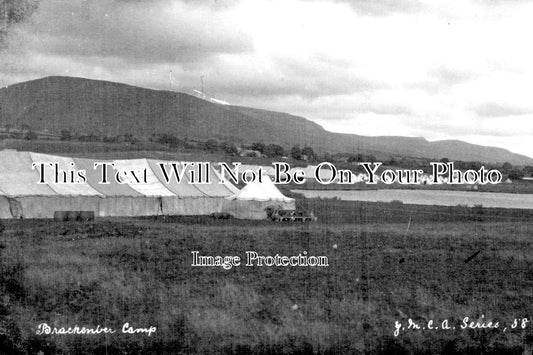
column 23, row 196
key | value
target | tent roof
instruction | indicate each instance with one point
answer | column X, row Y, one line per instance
column 65, row 164
column 182, row 189
column 215, row 188
column 17, row 178
column 152, row 186
column 261, row 191
column 94, row 177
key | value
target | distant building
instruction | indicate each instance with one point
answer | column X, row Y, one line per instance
column 250, row 153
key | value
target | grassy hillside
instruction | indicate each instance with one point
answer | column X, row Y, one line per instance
column 382, row 270
column 106, row 108
column 86, row 107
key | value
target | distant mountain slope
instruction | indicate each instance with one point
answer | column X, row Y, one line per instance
column 90, row 106
column 99, row 107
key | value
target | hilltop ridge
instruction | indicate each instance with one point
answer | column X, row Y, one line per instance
column 87, row 106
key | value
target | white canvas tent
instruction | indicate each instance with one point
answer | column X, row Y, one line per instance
column 253, row 200
column 22, row 196
column 28, row 199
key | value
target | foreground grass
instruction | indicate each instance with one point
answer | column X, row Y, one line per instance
column 381, row 271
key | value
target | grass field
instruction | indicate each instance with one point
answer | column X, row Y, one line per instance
column 387, row 263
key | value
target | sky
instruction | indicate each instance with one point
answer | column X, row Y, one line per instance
column 438, row 69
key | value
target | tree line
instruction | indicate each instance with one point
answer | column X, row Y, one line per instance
column 271, row 150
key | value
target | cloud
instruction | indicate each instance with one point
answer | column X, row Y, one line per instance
column 442, row 78
column 142, row 32
column 451, row 76
column 215, row 4
column 382, row 7
column 311, row 77
column 500, row 110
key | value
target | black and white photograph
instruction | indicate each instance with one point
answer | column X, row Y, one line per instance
column 266, row 177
